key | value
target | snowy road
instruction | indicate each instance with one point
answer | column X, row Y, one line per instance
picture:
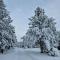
column 26, row 54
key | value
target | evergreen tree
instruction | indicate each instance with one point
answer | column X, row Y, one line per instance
column 44, row 31
column 7, row 32
column 58, row 38
column 29, row 38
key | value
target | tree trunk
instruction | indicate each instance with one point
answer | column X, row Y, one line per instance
column 41, row 46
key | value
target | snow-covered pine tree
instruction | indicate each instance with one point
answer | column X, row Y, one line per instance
column 28, row 39
column 24, row 41
column 58, row 38
column 7, row 32
column 44, row 31
column 31, row 34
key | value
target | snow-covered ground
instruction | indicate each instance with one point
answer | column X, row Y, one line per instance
column 26, row 54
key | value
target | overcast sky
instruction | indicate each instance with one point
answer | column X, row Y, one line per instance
column 21, row 10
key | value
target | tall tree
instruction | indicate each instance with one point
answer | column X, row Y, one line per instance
column 29, row 38
column 7, row 31
column 44, row 31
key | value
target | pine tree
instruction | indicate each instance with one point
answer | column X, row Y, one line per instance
column 58, row 38
column 44, row 31
column 7, row 32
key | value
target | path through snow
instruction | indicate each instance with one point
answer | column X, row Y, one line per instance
column 26, row 54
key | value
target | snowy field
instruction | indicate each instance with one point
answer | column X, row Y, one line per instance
column 26, row 54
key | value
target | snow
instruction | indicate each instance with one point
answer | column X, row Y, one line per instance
column 26, row 54
column 54, row 52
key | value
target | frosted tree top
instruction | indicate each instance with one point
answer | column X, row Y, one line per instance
column 39, row 11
